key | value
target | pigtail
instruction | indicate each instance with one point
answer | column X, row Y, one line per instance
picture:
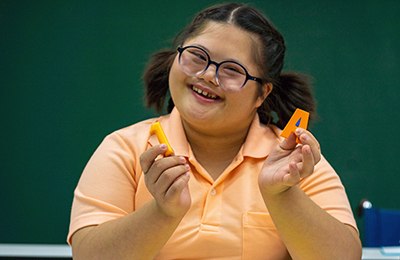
column 291, row 91
column 155, row 79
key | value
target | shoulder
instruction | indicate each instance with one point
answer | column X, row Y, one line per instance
column 130, row 140
column 324, row 177
column 135, row 131
column 136, row 136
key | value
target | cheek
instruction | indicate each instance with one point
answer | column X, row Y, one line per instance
column 172, row 73
column 176, row 76
column 176, row 82
column 252, row 97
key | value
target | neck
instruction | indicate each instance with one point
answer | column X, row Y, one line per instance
column 215, row 151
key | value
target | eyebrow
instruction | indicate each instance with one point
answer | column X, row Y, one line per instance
column 208, row 51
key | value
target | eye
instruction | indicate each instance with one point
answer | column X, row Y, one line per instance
column 197, row 54
column 231, row 68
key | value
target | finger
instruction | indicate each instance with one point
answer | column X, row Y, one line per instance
column 169, row 176
column 175, row 190
column 293, row 177
column 147, row 158
column 307, row 138
column 289, row 143
column 307, row 166
column 159, row 167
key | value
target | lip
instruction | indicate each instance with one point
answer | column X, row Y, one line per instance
column 204, row 89
column 200, row 97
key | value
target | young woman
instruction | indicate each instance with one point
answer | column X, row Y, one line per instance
column 233, row 189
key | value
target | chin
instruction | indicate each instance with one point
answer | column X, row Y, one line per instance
column 198, row 115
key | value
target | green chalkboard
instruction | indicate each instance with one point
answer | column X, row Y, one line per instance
column 70, row 73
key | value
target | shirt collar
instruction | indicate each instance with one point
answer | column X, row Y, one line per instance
column 260, row 140
column 173, row 129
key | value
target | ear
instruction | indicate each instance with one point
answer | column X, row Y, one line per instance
column 266, row 90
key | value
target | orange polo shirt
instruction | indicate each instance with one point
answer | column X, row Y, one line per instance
column 227, row 219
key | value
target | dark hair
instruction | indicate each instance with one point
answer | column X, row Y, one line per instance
column 290, row 91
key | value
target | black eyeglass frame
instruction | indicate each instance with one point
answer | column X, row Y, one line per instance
column 180, row 49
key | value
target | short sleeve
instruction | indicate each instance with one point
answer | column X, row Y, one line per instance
column 325, row 188
column 106, row 189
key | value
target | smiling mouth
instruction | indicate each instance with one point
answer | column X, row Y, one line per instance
column 204, row 93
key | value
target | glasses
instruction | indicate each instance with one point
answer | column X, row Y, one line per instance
column 230, row 75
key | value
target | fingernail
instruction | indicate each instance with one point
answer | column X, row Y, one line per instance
column 298, row 131
column 305, row 137
column 293, row 165
column 187, row 166
column 163, row 146
column 183, row 159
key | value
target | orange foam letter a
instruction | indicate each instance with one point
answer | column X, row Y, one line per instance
column 299, row 119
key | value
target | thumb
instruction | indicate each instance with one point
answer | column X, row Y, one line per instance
column 289, row 143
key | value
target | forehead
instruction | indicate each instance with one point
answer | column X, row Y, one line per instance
column 225, row 42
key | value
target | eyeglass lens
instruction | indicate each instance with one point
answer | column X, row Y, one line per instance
column 230, row 75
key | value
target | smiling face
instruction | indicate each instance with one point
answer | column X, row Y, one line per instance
column 203, row 104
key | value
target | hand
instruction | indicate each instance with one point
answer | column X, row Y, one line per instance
column 288, row 162
column 167, row 180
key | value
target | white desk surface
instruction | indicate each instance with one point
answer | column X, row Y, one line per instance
column 372, row 253
column 34, row 250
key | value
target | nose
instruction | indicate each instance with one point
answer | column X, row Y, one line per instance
column 210, row 74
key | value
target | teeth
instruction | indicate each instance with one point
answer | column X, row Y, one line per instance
column 204, row 93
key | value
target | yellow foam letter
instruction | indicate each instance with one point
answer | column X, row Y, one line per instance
column 162, row 138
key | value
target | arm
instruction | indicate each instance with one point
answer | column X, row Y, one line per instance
column 141, row 234
column 308, row 231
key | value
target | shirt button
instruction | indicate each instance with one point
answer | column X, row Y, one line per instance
column 213, row 192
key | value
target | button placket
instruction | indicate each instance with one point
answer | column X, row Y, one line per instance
column 211, row 218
